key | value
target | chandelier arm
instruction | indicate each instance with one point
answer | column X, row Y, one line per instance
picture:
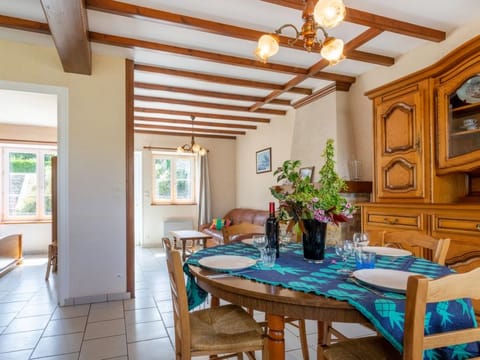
column 297, row 33
column 319, row 27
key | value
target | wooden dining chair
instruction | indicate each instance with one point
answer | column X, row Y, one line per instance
column 241, row 231
column 226, row 330
column 420, row 291
column 235, row 233
column 420, row 244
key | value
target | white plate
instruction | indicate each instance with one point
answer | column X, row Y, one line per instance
column 386, row 251
column 227, row 262
column 248, row 241
column 386, row 279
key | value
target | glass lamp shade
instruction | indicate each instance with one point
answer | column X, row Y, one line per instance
column 180, row 149
column 329, row 13
column 332, row 50
column 195, row 148
column 202, row 151
column 267, row 46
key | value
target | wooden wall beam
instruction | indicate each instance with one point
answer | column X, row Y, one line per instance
column 201, row 115
column 68, row 24
column 189, row 122
column 219, row 79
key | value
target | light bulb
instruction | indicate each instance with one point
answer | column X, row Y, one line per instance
column 202, row 151
column 267, row 46
column 195, row 148
column 332, row 50
column 180, row 149
column 329, row 13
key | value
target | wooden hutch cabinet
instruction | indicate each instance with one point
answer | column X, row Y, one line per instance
column 427, row 156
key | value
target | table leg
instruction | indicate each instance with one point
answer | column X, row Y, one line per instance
column 322, row 334
column 205, row 243
column 184, row 246
column 276, row 337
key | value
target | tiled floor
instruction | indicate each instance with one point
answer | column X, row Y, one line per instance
column 32, row 326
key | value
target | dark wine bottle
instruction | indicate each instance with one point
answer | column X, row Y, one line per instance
column 271, row 230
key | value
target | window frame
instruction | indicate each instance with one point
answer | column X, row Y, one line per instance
column 173, row 157
column 40, row 151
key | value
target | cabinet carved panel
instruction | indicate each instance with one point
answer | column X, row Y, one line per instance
column 398, row 124
column 399, row 175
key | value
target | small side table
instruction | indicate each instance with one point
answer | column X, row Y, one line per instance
column 185, row 235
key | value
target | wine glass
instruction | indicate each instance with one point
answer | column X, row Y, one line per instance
column 344, row 248
column 260, row 242
column 360, row 239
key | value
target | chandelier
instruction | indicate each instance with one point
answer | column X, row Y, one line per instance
column 321, row 15
column 193, row 147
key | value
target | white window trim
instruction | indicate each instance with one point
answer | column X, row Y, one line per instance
column 41, row 151
column 174, row 157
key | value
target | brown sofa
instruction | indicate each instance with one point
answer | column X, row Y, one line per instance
column 237, row 216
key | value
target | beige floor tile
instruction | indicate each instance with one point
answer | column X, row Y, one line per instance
column 37, row 309
column 71, row 311
column 19, row 341
column 145, row 331
column 16, row 355
column 149, row 350
column 6, row 319
column 140, row 303
column 141, row 315
column 27, row 324
column 17, row 297
column 168, row 319
column 72, row 356
column 65, row 326
column 58, row 345
column 104, row 348
column 12, row 307
column 106, row 311
column 101, row 329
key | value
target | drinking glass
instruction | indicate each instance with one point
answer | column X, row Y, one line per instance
column 260, row 242
column 360, row 239
column 268, row 257
column 344, row 248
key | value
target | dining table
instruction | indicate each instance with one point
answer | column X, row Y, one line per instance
column 296, row 288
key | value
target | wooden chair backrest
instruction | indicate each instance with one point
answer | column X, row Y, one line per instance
column 420, row 291
column 242, row 228
column 179, row 301
column 421, row 245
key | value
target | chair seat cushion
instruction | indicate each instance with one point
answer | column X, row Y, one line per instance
column 368, row 348
column 224, row 328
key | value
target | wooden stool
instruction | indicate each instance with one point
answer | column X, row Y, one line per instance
column 52, row 259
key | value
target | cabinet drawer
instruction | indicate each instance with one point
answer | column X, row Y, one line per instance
column 405, row 221
column 452, row 224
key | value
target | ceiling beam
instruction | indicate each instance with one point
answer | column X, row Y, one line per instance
column 24, row 24
column 189, row 122
column 206, row 104
column 135, row 11
column 357, row 41
column 139, row 131
column 206, row 93
column 201, row 115
column 200, row 54
column 130, row 43
column 219, row 79
column 376, row 21
column 68, row 24
column 196, row 130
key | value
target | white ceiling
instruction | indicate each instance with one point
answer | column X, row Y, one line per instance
column 444, row 15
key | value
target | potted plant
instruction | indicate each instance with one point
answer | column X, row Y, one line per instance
column 308, row 207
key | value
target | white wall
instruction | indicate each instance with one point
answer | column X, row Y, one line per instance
column 252, row 188
column 221, row 158
column 418, row 59
column 95, row 263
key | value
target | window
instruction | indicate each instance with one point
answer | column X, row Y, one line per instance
column 173, row 179
column 27, row 175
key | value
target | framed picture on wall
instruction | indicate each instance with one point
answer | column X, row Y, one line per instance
column 264, row 160
column 307, row 172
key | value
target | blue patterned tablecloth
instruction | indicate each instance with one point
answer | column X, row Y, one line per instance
column 386, row 312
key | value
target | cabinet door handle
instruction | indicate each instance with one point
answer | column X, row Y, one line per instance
column 478, row 227
column 417, row 145
column 394, row 221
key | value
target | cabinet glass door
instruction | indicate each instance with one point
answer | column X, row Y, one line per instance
column 464, row 118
